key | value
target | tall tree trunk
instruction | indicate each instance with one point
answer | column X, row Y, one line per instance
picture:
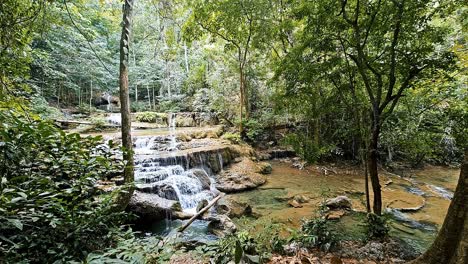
column 451, row 244
column 125, row 104
column 372, row 163
column 241, row 103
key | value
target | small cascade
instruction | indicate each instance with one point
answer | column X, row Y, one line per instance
column 114, row 118
column 163, row 170
column 220, row 159
column 172, row 128
column 442, row 192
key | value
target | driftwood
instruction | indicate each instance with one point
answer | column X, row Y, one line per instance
column 201, row 212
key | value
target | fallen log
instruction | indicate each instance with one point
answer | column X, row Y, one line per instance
column 201, row 212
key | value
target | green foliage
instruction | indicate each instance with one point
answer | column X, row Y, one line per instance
column 99, row 123
column 306, row 147
column 236, row 247
column 377, row 226
column 151, row 117
column 233, row 137
column 50, row 207
column 253, row 128
column 139, row 106
column 316, row 232
column 133, row 249
column 40, row 107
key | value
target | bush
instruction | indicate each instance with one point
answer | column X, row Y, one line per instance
column 50, row 207
column 253, row 129
column 139, row 106
column 237, row 247
column 306, row 148
column 40, row 107
column 317, row 232
column 151, row 117
column 233, row 137
column 376, row 226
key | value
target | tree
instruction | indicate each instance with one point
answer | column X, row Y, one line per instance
column 451, row 244
column 125, row 100
column 239, row 23
column 376, row 49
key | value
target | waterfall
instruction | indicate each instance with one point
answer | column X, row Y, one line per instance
column 114, row 118
column 172, row 128
column 167, row 174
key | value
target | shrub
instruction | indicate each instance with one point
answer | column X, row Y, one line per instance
column 233, row 137
column 50, row 207
column 151, row 117
column 317, row 232
column 139, row 106
column 376, row 226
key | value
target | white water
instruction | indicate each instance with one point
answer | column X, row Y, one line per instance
column 114, row 118
column 170, row 180
column 172, row 128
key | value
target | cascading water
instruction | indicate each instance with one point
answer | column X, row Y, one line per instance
column 166, row 173
column 172, row 127
column 114, row 118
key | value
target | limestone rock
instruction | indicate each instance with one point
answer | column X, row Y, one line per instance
column 335, row 215
column 221, row 225
column 151, row 207
column 203, row 177
column 264, row 168
column 339, row 202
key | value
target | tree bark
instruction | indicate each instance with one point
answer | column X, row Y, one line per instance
column 372, row 156
column 451, row 244
column 125, row 196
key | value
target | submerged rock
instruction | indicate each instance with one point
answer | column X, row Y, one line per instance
column 233, row 208
column 339, row 202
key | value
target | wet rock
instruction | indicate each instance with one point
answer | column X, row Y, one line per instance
column 202, row 204
column 162, row 190
column 151, row 207
column 203, row 177
column 264, row 168
column 339, row 202
column 233, row 208
column 229, row 181
column 206, row 119
column 221, row 225
column 335, row 215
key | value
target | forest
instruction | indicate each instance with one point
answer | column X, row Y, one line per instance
column 234, row 131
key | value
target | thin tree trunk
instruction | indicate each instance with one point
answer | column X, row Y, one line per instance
column 149, row 96
column 451, row 244
column 154, row 99
column 90, row 94
column 125, row 196
column 372, row 164
column 366, row 175
column 186, row 58
column 241, row 103
column 136, row 93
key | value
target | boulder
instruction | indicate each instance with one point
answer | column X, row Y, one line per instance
column 162, row 190
column 264, row 168
column 301, row 198
column 239, row 176
column 233, row 208
column 339, row 202
column 203, row 177
column 202, row 204
column 151, row 207
column 221, row 225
